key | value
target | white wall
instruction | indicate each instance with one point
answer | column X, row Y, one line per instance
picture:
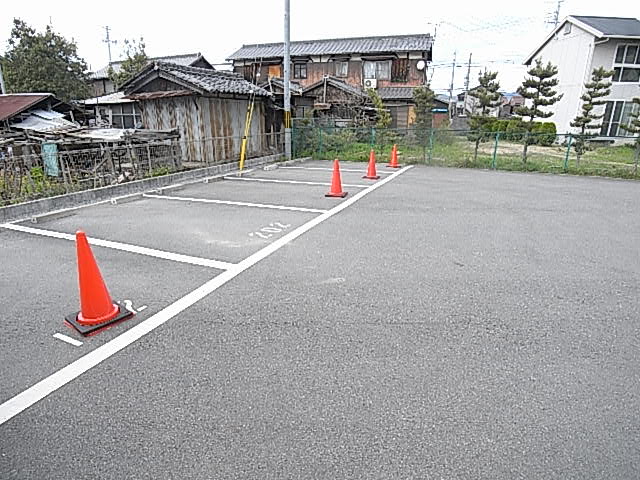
column 571, row 53
column 604, row 56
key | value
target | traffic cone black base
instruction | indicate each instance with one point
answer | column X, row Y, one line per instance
column 336, row 195
column 72, row 320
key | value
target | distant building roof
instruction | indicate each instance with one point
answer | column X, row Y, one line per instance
column 337, row 46
column 612, row 26
column 186, row 59
column 13, row 104
column 196, row 79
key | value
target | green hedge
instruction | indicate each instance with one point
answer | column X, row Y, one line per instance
column 542, row 133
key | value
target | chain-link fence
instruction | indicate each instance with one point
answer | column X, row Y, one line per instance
column 545, row 152
column 30, row 171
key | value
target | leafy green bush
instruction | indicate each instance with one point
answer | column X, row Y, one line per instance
column 336, row 139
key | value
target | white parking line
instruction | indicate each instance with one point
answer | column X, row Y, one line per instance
column 69, row 340
column 300, row 182
column 241, row 204
column 50, row 384
column 363, row 170
column 150, row 252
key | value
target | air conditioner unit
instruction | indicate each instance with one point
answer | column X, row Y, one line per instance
column 370, row 83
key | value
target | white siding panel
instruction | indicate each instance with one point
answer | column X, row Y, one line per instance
column 572, row 55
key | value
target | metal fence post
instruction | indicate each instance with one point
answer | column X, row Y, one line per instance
column 495, row 151
column 566, row 156
column 372, row 140
column 430, row 145
column 319, row 139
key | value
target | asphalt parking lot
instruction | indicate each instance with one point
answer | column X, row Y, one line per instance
column 436, row 323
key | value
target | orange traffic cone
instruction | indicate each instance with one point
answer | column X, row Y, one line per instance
column 371, row 169
column 97, row 310
column 393, row 163
column 336, row 183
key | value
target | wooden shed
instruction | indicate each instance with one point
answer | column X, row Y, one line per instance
column 208, row 107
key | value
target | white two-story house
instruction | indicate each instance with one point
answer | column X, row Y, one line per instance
column 579, row 45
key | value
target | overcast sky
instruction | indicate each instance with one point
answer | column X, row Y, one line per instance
column 499, row 33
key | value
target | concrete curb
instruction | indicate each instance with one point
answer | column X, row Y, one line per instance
column 124, row 192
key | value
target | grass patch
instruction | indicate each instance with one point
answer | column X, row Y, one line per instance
column 449, row 150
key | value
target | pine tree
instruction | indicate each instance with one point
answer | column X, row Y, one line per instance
column 596, row 89
column 538, row 88
column 383, row 117
column 634, row 127
column 136, row 59
column 44, row 62
column 423, row 97
column 488, row 98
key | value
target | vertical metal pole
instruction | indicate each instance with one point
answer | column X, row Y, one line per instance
column 430, row 145
column 495, row 151
column 566, row 156
column 287, row 86
column 3, row 90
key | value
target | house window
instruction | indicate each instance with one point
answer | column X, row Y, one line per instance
column 383, row 70
column 342, row 69
column 125, row 115
column 617, row 113
column 299, row 70
column 567, row 28
column 369, row 70
column 274, row 71
column 627, row 64
column 399, row 70
column 379, row 70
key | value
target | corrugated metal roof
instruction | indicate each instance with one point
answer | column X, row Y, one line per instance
column 612, row 26
column 186, row 59
column 38, row 123
column 337, row 46
column 201, row 79
column 14, row 103
column 110, row 99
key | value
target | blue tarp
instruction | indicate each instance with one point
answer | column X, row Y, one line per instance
column 50, row 157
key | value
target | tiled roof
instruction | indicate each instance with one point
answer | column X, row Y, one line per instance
column 353, row 90
column 337, row 46
column 612, row 26
column 14, row 103
column 396, row 93
column 186, row 59
column 296, row 88
column 199, row 79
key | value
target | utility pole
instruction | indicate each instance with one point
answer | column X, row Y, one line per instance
column 453, row 74
column 3, row 90
column 466, row 86
column 287, row 81
column 555, row 16
column 108, row 41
